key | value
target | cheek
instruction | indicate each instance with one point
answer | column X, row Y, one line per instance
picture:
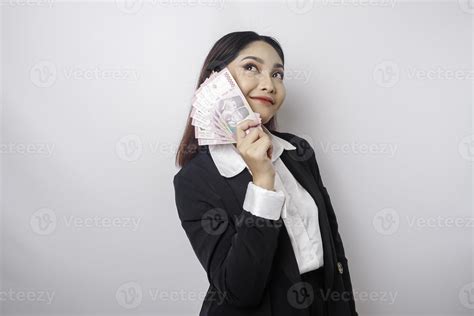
column 282, row 94
column 245, row 83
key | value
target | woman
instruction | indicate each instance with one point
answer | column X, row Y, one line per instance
column 256, row 213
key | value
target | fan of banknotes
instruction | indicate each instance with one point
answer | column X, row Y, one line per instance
column 218, row 107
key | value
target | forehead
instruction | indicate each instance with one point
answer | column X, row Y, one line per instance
column 260, row 49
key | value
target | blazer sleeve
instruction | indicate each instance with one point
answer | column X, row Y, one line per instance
column 237, row 257
column 340, row 253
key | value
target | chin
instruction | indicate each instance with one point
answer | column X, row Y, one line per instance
column 266, row 119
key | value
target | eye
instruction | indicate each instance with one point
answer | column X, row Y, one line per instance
column 249, row 65
column 282, row 75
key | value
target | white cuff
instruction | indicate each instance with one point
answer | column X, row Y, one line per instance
column 262, row 202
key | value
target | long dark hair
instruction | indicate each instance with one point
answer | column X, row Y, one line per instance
column 222, row 53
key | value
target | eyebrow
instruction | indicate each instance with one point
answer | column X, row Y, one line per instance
column 260, row 60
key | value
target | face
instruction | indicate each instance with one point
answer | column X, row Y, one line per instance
column 259, row 72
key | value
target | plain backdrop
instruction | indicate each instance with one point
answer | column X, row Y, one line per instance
column 95, row 96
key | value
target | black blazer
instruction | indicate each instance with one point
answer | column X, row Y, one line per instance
column 249, row 260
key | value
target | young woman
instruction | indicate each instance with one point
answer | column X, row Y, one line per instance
column 256, row 213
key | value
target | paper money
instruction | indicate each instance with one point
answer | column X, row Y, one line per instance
column 218, row 107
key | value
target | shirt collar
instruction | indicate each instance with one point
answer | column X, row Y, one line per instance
column 229, row 162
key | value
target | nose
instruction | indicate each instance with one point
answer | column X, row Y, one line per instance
column 266, row 83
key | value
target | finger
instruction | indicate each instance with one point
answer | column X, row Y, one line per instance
column 250, row 138
column 261, row 147
column 242, row 127
column 247, row 123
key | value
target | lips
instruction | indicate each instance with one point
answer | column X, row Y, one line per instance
column 264, row 99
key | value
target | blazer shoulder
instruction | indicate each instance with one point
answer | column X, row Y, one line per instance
column 199, row 168
column 196, row 182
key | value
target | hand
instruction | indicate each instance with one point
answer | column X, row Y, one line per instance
column 256, row 149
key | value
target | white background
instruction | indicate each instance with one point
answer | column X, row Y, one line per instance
column 94, row 101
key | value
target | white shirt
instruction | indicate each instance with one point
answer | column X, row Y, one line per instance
column 290, row 201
